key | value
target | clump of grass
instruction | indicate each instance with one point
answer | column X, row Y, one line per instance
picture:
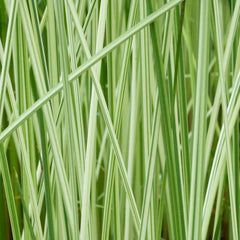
column 119, row 119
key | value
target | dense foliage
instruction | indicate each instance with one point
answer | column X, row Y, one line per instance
column 119, row 119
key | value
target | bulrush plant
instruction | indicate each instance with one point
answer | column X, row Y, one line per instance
column 119, row 119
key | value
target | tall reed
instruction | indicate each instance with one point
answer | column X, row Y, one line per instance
column 119, row 119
